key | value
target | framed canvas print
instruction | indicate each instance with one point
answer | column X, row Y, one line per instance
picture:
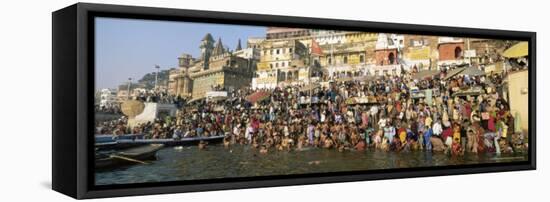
column 154, row 100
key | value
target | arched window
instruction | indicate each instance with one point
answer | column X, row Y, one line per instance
column 458, row 52
column 391, row 58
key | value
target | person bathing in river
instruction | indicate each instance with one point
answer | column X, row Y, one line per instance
column 328, row 143
column 427, row 138
column 360, row 146
column 202, row 145
column 263, row 149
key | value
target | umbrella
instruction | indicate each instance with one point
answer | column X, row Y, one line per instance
column 453, row 72
column 196, row 99
column 425, row 74
column 257, row 96
column 521, row 49
column 472, row 71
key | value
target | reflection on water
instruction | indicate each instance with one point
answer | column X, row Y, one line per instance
column 189, row 163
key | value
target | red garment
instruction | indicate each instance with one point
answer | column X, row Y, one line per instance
column 447, row 132
column 365, row 119
column 360, row 146
column 491, row 124
column 401, row 130
column 467, row 110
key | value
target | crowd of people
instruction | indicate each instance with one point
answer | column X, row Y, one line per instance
column 391, row 120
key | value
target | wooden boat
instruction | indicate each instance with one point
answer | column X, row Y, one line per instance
column 171, row 142
column 129, row 156
column 114, row 138
column 109, row 142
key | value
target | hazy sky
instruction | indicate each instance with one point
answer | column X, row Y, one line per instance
column 131, row 48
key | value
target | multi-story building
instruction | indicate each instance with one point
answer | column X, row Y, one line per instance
column 180, row 83
column 216, row 69
column 387, row 55
column 129, row 91
column 281, row 61
column 420, row 52
column 285, row 32
column 350, row 55
column 107, row 98
column 254, row 42
column 450, row 51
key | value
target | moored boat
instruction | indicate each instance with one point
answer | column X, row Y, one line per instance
column 134, row 155
column 114, row 138
column 171, row 142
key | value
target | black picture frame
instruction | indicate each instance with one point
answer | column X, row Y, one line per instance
column 73, row 87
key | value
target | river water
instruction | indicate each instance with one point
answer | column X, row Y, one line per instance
column 190, row 163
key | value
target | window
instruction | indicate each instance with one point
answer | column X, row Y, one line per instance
column 458, row 52
column 276, row 64
column 271, row 52
column 391, row 58
column 345, row 59
column 329, row 61
column 362, row 59
column 290, row 50
column 278, row 51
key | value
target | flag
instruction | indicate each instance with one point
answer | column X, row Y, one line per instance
column 315, row 48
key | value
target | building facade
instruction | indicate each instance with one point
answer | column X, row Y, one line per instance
column 217, row 68
column 281, row 61
column 107, row 98
column 451, row 51
column 420, row 52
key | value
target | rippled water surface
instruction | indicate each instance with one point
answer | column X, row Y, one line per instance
column 189, row 163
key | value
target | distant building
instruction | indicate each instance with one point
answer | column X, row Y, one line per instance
column 281, row 61
column 350, row 58
column 420, row 51
column 135, row 90
column 285, row 32
column 451, row 51
column 180, row 83
column 387, row 55
column 216, row 69
column 254, row 42
column 107, row 98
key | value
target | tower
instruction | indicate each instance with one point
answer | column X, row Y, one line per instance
column 218, row 50
column 183, row 81
column 207, row 44
column 238, row 46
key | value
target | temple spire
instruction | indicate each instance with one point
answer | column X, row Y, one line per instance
column 218, row 50
column 238, row 46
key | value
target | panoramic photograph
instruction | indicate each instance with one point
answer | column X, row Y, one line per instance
column 180, row 101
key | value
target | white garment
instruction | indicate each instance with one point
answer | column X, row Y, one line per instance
column 437, row 129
